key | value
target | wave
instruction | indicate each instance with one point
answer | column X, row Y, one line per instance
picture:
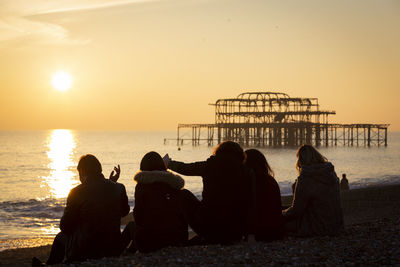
column 50, row 208
column 381, row 181
column 286, row 186
column 22, row 210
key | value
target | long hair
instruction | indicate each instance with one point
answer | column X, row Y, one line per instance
column 257, row 161
column 308, row 155
column 152, row 161
column 230, row 148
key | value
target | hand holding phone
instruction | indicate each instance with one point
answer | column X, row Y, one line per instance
column 166, row 159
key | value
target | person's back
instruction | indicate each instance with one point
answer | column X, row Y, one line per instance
column 270, row 223
column 225, row 197
column 92, row 218
column 220, row 217
column 266, row 220
column 159, row 220
column 316, row 207
column 90, row 225
column 323, row 214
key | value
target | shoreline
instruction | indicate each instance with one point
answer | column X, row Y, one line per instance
column 371, row 214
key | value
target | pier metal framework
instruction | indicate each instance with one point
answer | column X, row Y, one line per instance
column 276, row 119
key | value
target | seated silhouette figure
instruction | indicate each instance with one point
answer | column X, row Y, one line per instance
column 90, row 225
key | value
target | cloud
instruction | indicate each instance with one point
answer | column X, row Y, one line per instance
column 20, row 19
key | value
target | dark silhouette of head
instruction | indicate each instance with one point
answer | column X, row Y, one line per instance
column 152, row 161
column 230, row 148
column 88, row 166
column 344, row 183
column 308, row 155
column 257, row 161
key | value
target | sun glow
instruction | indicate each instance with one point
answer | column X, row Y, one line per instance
column 61, row 81
column 62, row 176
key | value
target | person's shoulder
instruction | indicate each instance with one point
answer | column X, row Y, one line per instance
column 213, row 159
column 76, row 190
column 115, row 185
column 303, row 177
column 271, row 180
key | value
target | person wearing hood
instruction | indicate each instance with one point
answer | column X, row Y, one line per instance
column 159, row 221
column 220, row 217
column 316, row 208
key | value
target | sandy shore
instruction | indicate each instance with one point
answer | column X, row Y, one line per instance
column 371, row 236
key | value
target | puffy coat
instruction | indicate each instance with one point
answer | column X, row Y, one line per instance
column 157, row 213
column 316, row 203
column 92, row 219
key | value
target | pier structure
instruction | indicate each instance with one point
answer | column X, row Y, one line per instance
column 278, row 120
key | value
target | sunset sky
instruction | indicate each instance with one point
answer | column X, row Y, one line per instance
column 149, row 65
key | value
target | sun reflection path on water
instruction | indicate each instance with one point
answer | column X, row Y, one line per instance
column 63, row 176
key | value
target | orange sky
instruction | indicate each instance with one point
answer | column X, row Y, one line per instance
column 149, row 65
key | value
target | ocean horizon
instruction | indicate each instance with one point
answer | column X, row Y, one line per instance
column 38, row 169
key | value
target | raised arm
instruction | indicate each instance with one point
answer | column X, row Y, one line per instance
column 114, row 177
column 189, row 169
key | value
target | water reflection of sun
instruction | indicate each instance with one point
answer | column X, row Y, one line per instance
column 62, row 176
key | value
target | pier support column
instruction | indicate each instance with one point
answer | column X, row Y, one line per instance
column 369, row 136
column 177, row 140
column 385, row 136
column 317, row 136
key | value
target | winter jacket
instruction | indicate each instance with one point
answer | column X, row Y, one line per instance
column 265, row 217
column 316, row 203
column 158, row 217
column 224, row 205
column 92, row 219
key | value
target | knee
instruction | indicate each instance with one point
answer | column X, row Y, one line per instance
column 188, row 196
column 131, row 226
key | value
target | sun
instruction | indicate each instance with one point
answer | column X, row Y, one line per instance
column 61, row 81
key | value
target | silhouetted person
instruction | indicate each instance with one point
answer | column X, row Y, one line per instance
column 316, row 207
column 157, row 214
column 265, row 216
column 221, row 215
column 344, row 183
column 90, row 225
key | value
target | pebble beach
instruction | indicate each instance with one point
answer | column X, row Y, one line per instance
column 371, row 237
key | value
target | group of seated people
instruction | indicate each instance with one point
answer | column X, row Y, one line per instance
column 240, row 201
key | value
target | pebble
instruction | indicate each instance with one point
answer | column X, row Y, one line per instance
column 372, row 243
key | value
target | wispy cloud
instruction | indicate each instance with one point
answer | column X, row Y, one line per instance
column 20, row 19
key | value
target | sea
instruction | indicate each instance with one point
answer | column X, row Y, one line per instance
column 38, row 169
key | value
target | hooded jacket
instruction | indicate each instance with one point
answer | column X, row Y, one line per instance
column 316, row 203
column 92, row 219
column 158, row 217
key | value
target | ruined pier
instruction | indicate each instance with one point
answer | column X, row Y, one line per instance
column 278, row 120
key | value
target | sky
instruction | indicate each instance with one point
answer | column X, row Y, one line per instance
column 151, row 64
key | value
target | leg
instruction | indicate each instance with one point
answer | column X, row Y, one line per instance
column 190, row 206
column 291, row 226
column 57, row 252
column 128, row 237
